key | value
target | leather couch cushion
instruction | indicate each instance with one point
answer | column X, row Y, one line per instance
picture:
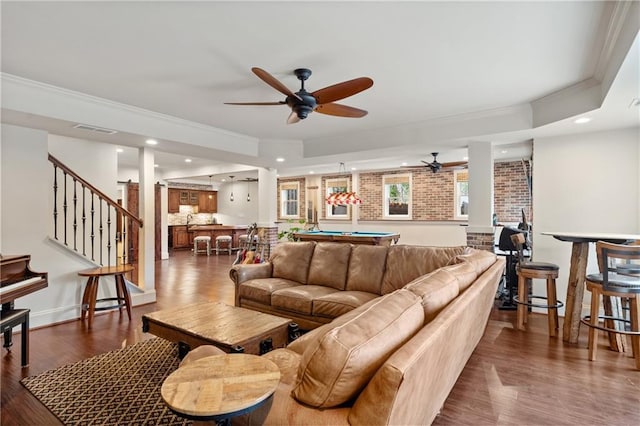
column 291, row 260
column 436, row 289
column 300, row 344
column 366, row 268
column 260, row 290
column 465, row 272
column 406, row 263
column 337, row 366
column 299, row 298
column 480, row 259
column 329, row 265
column 339, row 303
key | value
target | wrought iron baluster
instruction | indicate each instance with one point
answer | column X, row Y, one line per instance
column 100, row 228
column 64, row 209
column 108, row 235
column 55, row 201
column 75, row 214
column 93, row 233
column 84, row 221
column 125, row 256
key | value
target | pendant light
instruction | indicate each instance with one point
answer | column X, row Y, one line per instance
column 231, row 197
column 248, row 192
column 343, row 198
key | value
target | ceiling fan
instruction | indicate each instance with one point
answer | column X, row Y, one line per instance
column 303, row 103
column 435, row 166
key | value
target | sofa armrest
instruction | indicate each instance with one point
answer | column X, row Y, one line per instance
column 242, row 273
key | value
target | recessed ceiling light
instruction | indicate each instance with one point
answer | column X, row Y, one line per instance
column 582, row 120
column 155, row 165
column 311, row 172
column 152, row 142
column 465, row 158
column 224, row 180
column 353, row 168
column 187, row 160
column 504, row 151
column 119, row 150
column 279, row 159
column 403, row 164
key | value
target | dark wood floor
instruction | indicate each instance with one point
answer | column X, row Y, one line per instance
column 513, row 377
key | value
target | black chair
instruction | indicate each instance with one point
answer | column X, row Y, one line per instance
column 510, row 280
column 619, row 277
column 527, row 271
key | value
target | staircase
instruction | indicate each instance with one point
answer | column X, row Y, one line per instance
column 90, row 223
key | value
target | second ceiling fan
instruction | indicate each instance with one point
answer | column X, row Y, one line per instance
column 302, row 103
column 436, row 166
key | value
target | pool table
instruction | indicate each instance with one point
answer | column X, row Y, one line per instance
column 370, row 238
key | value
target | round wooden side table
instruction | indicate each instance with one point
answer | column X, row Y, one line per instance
column 89, row 297
column 220, row 387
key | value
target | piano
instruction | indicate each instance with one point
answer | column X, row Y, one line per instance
column 17, row 280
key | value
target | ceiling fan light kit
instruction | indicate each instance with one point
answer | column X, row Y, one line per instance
column 303, row 103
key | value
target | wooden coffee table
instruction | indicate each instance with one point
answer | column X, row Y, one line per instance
column 220, row 387
column 230, row 328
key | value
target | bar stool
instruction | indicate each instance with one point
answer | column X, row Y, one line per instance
column 619, row 277
column 202, row 239
column 528, row 270
column 223, row 240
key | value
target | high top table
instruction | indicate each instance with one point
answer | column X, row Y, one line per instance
column 578, row 273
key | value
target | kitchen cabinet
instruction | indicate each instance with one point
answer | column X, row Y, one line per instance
column 181, row 237
column 208, row 202
column 174, row 200
column 188, row 197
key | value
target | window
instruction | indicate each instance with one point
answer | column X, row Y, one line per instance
column 333, row 186
column 397, row 196
column 461, row 193
column 289, row 199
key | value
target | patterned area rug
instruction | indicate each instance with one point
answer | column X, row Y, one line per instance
column 120, row 387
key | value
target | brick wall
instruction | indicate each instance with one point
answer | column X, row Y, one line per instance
column 511, row 192
column 433, row 194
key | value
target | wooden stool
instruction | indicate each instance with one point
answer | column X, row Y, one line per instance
column 202, row 239
column 527, row 271
column 89, row 297
column 224, row 240
column 619, row 278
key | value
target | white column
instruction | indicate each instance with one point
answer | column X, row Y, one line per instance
column 164, row 222
column 146, row 242
column 267, row 197
column 480, row 187
column 355, row 209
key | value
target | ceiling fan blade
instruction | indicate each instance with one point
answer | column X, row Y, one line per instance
column 273, row 82
column 293, row 118
column 455, row 164
column 342, row 90
column 340, row 110
column 255, row 103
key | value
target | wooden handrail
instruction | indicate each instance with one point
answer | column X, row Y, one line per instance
column 109, row 201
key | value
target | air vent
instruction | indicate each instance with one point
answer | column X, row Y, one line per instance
column 95, row 129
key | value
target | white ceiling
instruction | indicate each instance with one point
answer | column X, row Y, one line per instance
column 445, row 74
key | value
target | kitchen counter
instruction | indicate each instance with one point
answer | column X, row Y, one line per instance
column 183, row 235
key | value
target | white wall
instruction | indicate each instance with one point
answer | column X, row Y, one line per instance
column 586, row 182
column 27, row 217
column 238, row 212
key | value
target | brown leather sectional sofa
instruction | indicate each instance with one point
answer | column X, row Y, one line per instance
column 313, row 283
column 394, row 327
